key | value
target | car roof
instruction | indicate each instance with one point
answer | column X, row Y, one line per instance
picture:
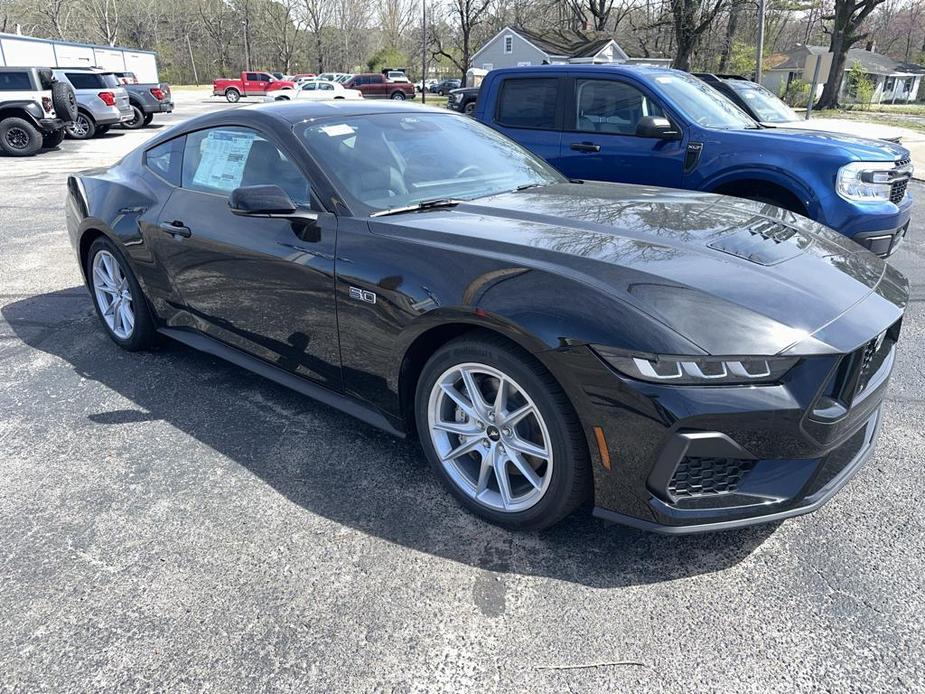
column 299, row 111
column 614, row 68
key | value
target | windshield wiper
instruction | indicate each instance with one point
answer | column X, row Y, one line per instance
column 418, row 206
column 528, row 186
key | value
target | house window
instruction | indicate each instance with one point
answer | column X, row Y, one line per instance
column 508, row 44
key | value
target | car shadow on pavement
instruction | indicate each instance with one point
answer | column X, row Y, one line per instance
column 339, row 468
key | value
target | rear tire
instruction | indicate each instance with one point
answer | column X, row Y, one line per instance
column 81, row 128
column 138, row 119
column 117, row 297
column 148, row 118
column 398, row 96
column 232, row 95
column 542, row 487
column 19, row 138
column 53, row 140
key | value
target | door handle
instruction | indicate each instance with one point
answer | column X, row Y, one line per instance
column 585, row 147
column 176, row 228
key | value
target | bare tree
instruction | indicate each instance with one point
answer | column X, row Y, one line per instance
column 396, row 19
column 691, row 19
column 847, row 19
column 464, row 17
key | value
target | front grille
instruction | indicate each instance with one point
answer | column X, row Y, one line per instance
column 898, row 190
column 696, row 477
column 860, row 366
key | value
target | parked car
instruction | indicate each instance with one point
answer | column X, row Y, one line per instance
column 685, row 361
column 463, row 100
column 376, row 86
column 101, row 101
column 146, row 100
column 444, row 87
column 302, row 76
column 769, row 110
column 332, row 76
column 34, row 109
column 656, row 126
column 395, row 75
column 315, row 90
column 421, row 85
column 248, row 84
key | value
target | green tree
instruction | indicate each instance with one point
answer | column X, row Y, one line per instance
column 860, row 85
column 387, row 57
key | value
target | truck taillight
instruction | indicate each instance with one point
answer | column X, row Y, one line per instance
column 46, row 104
column 107, row 98
column 157, row 93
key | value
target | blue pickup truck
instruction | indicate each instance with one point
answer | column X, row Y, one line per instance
column 656, row 126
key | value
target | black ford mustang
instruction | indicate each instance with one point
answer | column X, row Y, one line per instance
column 687, row 361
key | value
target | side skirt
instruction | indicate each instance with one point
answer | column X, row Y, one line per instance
column 344, row 403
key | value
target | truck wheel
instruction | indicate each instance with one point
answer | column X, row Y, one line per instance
column 53, row 140
column 138, row 119
column 148, row 118
column 18, row 138
column 81, row 128
column 64, row 101
column 102, row 130
column 233, row 95
column 281, row 97
column 469, row 109
column 398, row 96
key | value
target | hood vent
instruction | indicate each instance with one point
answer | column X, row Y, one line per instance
column 763, row 241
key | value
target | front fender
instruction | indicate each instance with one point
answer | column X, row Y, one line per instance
column 774, row 175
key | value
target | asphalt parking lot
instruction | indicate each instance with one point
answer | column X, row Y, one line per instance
column 171, row 522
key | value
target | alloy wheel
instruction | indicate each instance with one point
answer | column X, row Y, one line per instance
column 79, row 127
column 17, row 138
column 490, row 437
column 113, row 295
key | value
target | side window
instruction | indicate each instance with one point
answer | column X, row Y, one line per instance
column 84, row 80
column 218, row 160
column 15, row 82
column 252, row 77
column 610, row 106
column 528, row 103
column 329, row 87
column 310, row 87
column 165, row 159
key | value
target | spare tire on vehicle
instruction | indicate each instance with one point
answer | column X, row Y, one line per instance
column 64, row 100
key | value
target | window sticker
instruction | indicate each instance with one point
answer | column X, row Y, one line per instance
column 224, row 155
column 337, row 130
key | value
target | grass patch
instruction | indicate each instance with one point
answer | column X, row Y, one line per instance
column 897, row 120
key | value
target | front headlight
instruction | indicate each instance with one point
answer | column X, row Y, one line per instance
column 865, row 181
column 701, row 371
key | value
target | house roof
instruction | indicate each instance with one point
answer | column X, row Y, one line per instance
column 872, row 63
column 556, row 46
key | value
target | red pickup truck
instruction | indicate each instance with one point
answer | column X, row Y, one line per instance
column 376, row 86
column 250, row 84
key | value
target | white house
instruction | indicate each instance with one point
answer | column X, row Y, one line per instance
column 517, row 47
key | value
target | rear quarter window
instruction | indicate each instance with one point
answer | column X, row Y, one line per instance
column 15, row 82
column 166, row 160
column 85, row 80
column 528, row 103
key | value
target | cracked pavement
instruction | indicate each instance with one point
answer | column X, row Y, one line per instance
column 169, row 521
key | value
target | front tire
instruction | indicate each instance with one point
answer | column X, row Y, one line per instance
column 120, row 304
column 19, row 138
column 501, row 434
column 81, row 128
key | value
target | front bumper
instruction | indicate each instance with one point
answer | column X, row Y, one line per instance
column 878, row 226
column 687, row 459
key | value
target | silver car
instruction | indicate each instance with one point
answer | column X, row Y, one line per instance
column 101, row 101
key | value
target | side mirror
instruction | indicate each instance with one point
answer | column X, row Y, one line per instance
column 657, row 127
column 266, row 201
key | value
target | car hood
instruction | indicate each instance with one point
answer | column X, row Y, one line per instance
column 732, row 276
column 852, row 147
column 844, row 127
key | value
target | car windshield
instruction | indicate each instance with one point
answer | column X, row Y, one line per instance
column 703, row 104
column 388, row 160
column 765, row 104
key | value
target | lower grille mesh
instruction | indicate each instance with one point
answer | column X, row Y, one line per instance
column 705, row 476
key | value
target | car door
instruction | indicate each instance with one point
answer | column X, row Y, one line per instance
column 251, row 83
column 265, row 286
column 599, row 141
column 309, row 90
column 528, row 111
column 377, row 86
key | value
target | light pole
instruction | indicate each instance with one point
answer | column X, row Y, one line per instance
column 423, row 51
column 759, row 49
